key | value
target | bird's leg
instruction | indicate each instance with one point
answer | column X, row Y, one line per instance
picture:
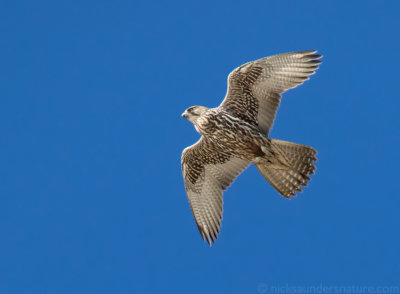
column 266, row 151
column 264, row 156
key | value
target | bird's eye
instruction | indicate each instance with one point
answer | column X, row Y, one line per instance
column 190, row 109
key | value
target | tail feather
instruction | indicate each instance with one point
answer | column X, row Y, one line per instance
column 289, row 168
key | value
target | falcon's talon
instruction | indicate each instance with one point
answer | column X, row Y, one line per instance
column 234, row 133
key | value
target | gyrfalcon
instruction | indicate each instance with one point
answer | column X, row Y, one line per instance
column 235, row 134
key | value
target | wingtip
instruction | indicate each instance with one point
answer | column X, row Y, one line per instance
column 207, row 237
column 308, row 51
column 311, row 53
column 210, row 240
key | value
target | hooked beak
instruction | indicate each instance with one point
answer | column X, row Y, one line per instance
column 185, row 114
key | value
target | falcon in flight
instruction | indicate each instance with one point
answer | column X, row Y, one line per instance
column 235, row 134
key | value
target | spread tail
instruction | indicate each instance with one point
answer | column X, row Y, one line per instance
column 287, row 166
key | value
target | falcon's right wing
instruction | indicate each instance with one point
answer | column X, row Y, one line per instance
column 207, row 171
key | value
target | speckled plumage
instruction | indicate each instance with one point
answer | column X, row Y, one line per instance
column 235, row 134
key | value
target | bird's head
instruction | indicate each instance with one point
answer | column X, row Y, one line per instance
column 194, row 112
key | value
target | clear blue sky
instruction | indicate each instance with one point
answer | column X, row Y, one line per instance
column 92, row 196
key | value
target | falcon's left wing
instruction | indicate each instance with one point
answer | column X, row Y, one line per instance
column 208, row 170
column 255, row 88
